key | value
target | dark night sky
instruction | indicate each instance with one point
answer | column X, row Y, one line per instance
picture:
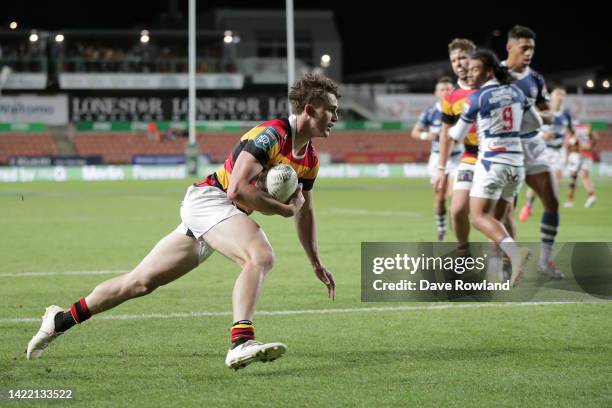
column 568, row 37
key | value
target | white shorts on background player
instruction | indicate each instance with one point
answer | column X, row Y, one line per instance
column 464, row 175
column 555, row 158
column 536, row 155
column 497, row 180
column 201, row 209
column 451, row 165
column 578, row 162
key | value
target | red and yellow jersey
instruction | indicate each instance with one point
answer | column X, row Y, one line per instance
column 452, row 107
column 271, row 143
column 584, row 140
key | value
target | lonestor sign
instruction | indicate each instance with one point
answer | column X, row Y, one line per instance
column 174, row 108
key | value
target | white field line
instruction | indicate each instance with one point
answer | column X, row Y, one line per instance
column 444, row 306
column 75, row 273
column 371, row 213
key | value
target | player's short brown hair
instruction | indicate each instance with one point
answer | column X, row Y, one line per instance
column 311, row 89
column 445, row 80
column 462, row 44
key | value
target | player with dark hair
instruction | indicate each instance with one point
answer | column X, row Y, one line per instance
column 501, row 111
column 427, row 128
column 538, row 174
column 214, row 218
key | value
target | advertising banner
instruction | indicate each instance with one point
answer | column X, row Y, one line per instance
column 49, row 110
column 143, row 108
column 149, row 81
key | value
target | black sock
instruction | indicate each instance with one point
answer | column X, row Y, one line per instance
column 78, row 313
column 64, row 321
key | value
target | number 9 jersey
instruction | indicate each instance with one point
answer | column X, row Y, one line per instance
column 498, row 110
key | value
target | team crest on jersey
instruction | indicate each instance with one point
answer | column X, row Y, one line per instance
column 263, row 142
column 267, row 138
column 534, row 91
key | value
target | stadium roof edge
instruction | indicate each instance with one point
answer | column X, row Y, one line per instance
column 402, row 72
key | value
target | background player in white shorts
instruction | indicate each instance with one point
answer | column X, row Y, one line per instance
column 427, row 128
column 557, row 133
column 498, row 108
column 580, row 162
column 214, row 217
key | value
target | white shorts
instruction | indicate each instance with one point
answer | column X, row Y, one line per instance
column 495, row 180
column 578, row 162
column 536, row 158
column 451, row 165
column 201, row 209
column 464, row 176
column 555, row 158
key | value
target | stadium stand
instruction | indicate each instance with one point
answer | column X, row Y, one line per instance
column 26, row 144
column 119, row 147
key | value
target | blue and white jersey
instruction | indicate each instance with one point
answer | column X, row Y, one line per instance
column 562, row 121
column 498, row 110
column 431, row 121
column 533, row 86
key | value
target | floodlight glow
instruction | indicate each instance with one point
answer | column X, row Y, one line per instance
column 325, row 60
column 59, row 38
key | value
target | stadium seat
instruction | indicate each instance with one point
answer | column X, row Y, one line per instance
column 26, row 144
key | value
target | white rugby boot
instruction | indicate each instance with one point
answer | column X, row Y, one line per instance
column 46, row 334
column 251, row 351
column 590, row 201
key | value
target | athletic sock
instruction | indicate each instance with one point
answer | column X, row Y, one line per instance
column 241, row 332
column 508, row 245
column 77, row 313
column 441, row 222
column 548, row 233
column 572, row 188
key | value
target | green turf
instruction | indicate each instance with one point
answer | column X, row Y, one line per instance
column 544, row 355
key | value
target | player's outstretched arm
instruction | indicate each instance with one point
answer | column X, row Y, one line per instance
column 307, row 233
column 418, row 132
column 241, row 190
column 445, row 148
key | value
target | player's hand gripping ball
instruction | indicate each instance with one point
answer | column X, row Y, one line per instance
column 281, row 182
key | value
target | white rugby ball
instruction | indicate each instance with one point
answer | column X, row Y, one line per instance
column 281, row 182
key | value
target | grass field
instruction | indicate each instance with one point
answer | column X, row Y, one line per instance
column 168, row 349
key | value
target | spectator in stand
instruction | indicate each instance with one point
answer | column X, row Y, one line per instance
column 153, row 132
